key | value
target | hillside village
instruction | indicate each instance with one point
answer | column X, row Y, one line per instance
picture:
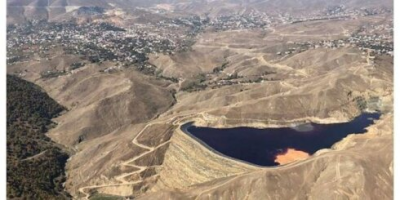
column 130, row 46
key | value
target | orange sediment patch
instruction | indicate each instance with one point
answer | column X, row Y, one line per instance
column 291, row 155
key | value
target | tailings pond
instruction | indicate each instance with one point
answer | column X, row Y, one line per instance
column 263, row 146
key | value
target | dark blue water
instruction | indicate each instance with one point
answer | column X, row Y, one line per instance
column 261, row 146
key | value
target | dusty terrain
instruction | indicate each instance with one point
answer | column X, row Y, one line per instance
column 123, row 148
column 124, row 126
column 339, row 173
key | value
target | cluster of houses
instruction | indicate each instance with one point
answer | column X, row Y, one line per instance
column 97, row 42
column 377, row 38
column 334, row 12
column 250, row 20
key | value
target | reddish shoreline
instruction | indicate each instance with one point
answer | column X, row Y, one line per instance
column 291, row 155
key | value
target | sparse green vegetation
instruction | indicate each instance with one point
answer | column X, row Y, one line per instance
column 52, row 74
column 193, row 86
column 196, row 84
column 200, row 78
column 76, row 65
column 105, row 197
column 158, row 74
column 220, row 68
column 361, row 103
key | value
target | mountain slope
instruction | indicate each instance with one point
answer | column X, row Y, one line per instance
column 35, row 164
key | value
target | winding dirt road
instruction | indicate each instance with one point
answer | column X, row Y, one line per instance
column 129, row 162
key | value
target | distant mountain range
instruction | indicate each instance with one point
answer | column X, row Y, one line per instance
column 19, row 11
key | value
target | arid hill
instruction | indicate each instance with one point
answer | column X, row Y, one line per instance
column 123, row 119
column 20, row 11
column 349, row 170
